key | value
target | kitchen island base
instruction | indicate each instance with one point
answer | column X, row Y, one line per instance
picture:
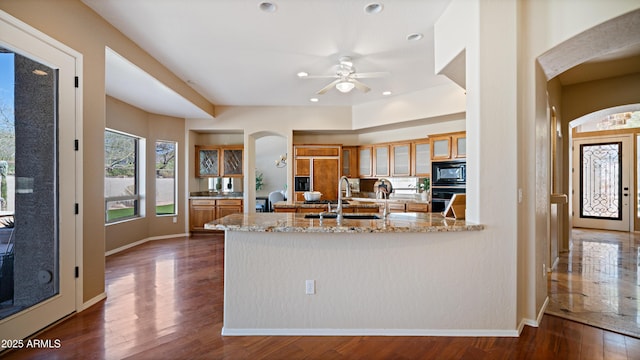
column 409, row 283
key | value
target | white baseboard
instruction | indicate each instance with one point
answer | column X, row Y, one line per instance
column 92, row 302
column 369, row 332
column 140, row 242
column 538, row 320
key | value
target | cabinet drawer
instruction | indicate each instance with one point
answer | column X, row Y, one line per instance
column 416, row 207
column 235, row 202
column 203, row 202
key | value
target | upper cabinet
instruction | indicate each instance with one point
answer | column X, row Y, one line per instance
column 232, row 161
column 421, row 160
column 381, row 160
column 214, row 161
column 207, row 161
column 365, row 168
column 400, row 159
column 459, row 142
column 448, row 146
column 350, row 161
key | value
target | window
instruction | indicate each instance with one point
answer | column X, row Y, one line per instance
column 123, row 180
column 166, row 177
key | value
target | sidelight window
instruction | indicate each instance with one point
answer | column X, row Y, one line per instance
column 166, row 180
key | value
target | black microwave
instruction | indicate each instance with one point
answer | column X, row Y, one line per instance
column 449, row 173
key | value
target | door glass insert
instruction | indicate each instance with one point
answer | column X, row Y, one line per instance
column 601, row 181
column 28, row 183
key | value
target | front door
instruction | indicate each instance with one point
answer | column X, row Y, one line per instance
column 38, row 181
column 601, row 182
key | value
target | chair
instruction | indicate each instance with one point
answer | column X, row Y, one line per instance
column 274, row 197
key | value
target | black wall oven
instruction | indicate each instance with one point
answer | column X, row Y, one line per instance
column 449, row 173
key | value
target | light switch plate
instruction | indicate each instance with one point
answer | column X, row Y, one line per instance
column 310, row 286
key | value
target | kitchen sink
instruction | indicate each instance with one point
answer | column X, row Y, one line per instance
column 346, row 216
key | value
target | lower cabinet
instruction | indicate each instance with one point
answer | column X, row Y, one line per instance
column 203, row 211
column 417, row 207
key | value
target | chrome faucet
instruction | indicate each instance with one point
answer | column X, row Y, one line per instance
column 347, row 194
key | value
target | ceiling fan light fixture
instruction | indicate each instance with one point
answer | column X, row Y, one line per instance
column 345, row 86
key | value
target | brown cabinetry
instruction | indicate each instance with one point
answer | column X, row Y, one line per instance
column 449, row 146
column 350, row 161
column 417, row 207
column 421, row 159
column 215, row 161
column 365, row 168
column 381, row 161
column 322, row 164
column 400, row 159
column 203, row 211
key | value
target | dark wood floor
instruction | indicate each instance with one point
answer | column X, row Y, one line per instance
column 165, row 302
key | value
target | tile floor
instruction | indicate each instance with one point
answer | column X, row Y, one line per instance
column 597, row 281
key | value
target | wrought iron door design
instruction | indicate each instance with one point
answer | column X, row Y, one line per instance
column 601, row 181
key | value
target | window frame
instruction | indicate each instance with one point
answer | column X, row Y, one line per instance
column 175, row 177
column 139, row 181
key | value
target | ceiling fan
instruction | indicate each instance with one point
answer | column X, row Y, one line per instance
column 346, row 77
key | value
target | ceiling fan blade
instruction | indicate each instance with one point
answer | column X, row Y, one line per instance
column 328, row 87
column 360, row 86
column 320, row 77
column 369, row 75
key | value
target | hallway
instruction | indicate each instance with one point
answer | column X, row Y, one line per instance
column 596, row 282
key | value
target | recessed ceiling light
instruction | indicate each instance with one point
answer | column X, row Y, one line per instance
column 268, row 6
column 303, row 74
column 373, row 8
column 313, row 99
column 414, row 36
column 386, row 93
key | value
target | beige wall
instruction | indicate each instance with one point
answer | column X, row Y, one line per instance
column 584, row 98
column 75, row 25
column 151, row 127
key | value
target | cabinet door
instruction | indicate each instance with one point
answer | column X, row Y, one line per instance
column 364, row 161
column 460, row 146
column 441, row 147
column 350, row 161
column 401, row 160
column 325, row 177
column 381, row 160
column 232, row 162
column 421, row 159
column 200, row 215
column 302, row 167
column 207, row 161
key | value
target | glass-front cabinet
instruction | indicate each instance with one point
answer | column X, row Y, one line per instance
column 421, row 164
column 401, row 159
column 364, row 161
column 381, row 160
column 207, row 161
column 232, row 161
column 215, row 161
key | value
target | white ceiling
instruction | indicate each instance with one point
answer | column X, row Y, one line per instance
column 233, row 53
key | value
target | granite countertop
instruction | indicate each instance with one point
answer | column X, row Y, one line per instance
column 346, row 204
column 215, row 195
column 296, row 222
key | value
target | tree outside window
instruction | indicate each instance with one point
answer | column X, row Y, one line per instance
column 166, row 178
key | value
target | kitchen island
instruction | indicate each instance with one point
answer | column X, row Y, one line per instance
column 286, row 274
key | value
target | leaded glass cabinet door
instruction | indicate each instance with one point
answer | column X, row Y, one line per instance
column 601, row 178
